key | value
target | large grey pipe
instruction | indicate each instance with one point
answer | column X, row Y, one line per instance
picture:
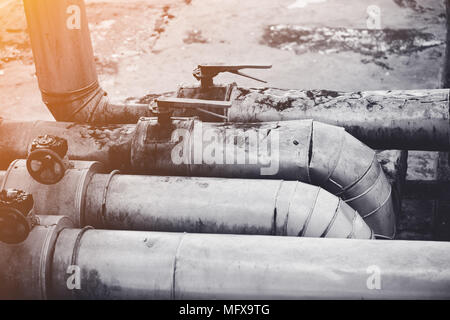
column 309, row 151
column 146, row 265
column 394, row 119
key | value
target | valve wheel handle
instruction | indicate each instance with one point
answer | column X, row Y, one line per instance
column 14, row 226
column 51, row 169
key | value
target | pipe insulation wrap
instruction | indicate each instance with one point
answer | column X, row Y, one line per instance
column 307, row 151
column 153, row 265
column 204, row 205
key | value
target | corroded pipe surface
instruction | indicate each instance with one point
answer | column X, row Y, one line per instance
column 302, row 150
column 65, row 65
column 109, row 144
column 191, row 266
column 405, row 120
column 204, row 205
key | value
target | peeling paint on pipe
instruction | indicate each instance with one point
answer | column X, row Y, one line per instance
column 394, row 119
column 403, row 120
column 204, row 205
column 191, row 266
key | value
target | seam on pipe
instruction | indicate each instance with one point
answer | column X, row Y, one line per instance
column 367, row 190
column 308, row 219
column 382, row 205
column 275, row 210
column 380, row 236
column 333, row 219
column 80, row 194
column 87, row 88
column 352, row 233
column 76, row 246
column 94, row 109
column 345, row 189
column 339, row 154
column 286, row 220
column 105, row 193
column 175, row 259
column 42, row 264
column 310, row 151
column 365, row 180
column 336, row 184
column 76, row 250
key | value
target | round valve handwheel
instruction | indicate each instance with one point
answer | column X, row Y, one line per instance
column 14, row 226
column 45, row 166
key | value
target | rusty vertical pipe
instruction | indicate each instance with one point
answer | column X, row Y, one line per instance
column 65, row 64
column 153, row 265
column 64, row 57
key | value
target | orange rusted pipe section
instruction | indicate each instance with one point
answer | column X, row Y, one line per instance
column 65, row 65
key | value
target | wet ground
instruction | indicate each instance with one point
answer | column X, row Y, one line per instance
column 152, row 46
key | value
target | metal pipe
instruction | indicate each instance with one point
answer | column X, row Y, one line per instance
column 109, row 144
column 25, row 268
column 204, row 205
column 65, row 65
column 66, row 71
column 302, row 150
column 394, row 119
column 152, row 265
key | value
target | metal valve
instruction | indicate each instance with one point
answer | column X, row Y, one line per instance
column 47, row 159
column 16, row 217
column 206, row 72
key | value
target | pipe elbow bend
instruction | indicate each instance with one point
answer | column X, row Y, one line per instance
column 349, row 169
column 315, row 212
column 86, row 105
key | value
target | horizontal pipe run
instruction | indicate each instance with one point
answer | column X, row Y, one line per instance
column 152, row 265
column 394, row 119
column 303, row 150
column 204, row 205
